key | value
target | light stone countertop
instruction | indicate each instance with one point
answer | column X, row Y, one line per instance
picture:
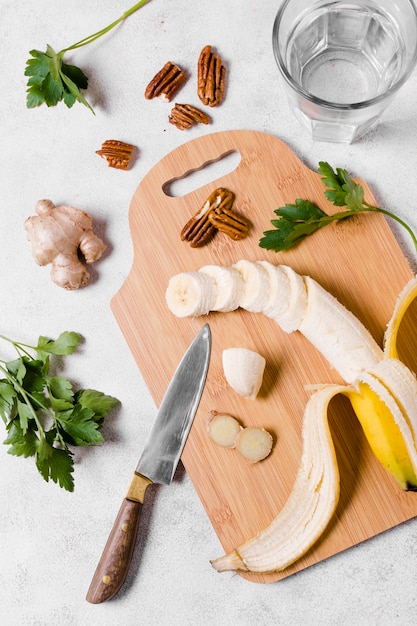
column 50, row 540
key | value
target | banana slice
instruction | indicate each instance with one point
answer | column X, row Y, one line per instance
column 256, row 285
column 297, row 304
column 287, row 298
column 279, row 291
column 229, row 283
column 337, row 333
column 243, row 370
column 191, row 294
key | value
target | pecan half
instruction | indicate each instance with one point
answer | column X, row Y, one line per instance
column 229, row 222
column 117, row 153
column 166, row 82
column 211, row 74
column 215, row 214
column 199, row 229
column 185, row 115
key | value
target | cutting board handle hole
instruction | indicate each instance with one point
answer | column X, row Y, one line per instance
column 208, row 172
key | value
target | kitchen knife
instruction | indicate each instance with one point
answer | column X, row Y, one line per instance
column 157, row 464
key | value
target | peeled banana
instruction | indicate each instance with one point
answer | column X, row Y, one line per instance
column 337, row 333
column 295, row 302
column 381, row 389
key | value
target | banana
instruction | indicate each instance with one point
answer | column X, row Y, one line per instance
column 295, row 302
column 311, row 503
column 191, row 294
column 256, row 285
column 337, row 333
column 229, row 284
column 381, row 389
column 243, row 370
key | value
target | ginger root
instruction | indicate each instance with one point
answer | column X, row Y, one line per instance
column 57, row 235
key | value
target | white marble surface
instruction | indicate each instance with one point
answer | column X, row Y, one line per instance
column 50, row 540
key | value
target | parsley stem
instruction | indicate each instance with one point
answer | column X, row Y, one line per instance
column 20, row 347
column 103, row 31
column 27, row 398
column 368, row 207
column 395, row 218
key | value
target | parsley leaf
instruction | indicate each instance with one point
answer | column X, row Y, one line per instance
column 97, row 401
column 21, row 444
column 57, row 466
column 303, row 218
column 51, row 80
column 334, row 181
column 341, row 189
column 66, row 343
column 60, row 393
column 81, row 426
column 7, row 400
column 296, row 222
column 44, row 416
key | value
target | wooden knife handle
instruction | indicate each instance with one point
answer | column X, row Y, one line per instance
column 114, row 564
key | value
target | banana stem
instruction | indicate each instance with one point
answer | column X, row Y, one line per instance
column 103, row 31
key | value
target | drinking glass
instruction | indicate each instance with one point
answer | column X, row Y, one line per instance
column 343, row 62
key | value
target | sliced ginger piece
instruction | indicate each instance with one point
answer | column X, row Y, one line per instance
column 254, row 443
column 223, row 429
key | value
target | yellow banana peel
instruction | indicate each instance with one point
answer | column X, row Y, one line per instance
column 404, row 301
column 375, row 410
column 385, row 402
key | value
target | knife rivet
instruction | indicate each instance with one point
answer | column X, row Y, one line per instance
column 106, row 579
column 125, row 527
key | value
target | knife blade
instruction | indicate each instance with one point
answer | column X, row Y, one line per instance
column 157, row 464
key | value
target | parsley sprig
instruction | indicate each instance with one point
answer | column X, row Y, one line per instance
column 297, row 221
column 43, row 415
column 52, row 81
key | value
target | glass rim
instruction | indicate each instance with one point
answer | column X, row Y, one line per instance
column 328, row 103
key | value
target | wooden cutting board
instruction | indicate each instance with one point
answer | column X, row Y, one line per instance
column 358, row 261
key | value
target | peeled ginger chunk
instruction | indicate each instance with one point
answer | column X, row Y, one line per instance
column 223, row 429
column 254, row 443
column 243, row 370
